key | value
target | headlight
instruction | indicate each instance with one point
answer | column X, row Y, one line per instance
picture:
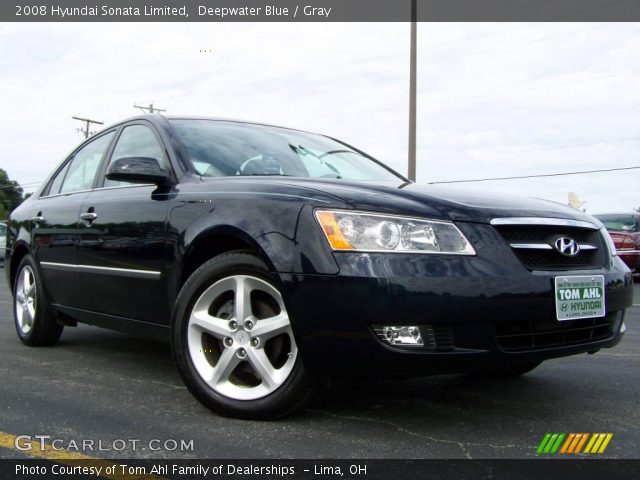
column 372, row 232
column 609, row 241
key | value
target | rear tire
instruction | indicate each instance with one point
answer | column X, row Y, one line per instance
column 511, row 370
column 34, row 323
column 232, row 340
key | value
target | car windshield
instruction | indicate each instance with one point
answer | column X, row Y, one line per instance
column 222, row 149
column 3, row 230
column 619, row 223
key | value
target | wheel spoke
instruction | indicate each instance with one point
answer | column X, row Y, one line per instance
column 262, row 365
column 225, row 366
column 243, row 299
column 27, row 281
column 20, row 316
column 267, row 328
column 217, row 327
column 27, row 316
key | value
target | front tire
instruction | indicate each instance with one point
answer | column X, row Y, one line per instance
column 34, row 323
column 232, row 340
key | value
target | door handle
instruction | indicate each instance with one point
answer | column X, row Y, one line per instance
column 38, row 218
column 89, row 216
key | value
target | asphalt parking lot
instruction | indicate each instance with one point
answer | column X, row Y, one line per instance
column 103, row 385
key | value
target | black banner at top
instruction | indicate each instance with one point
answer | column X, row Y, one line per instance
column 319, row 10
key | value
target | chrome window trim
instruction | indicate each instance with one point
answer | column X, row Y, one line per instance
column 114, row 187
column 97, row 189
column 44, row 197
column 125, row 272
column 557, row 222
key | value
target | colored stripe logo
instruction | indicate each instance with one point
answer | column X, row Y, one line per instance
column 568, row 443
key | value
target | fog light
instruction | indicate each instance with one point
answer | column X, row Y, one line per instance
column 409, row 335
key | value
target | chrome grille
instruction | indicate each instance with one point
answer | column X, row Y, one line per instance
column 533, row 244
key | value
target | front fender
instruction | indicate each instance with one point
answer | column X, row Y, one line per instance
column 282, row 230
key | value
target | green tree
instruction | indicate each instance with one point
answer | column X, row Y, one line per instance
column 11, row 195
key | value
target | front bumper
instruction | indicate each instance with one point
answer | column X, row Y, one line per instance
column 480, row 301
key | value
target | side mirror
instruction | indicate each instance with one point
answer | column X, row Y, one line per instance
column 138, row 170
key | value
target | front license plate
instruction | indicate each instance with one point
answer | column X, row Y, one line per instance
column 579, row 297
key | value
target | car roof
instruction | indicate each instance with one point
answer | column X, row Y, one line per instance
column 157, row 119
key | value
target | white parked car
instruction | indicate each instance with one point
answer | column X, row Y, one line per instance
column 3, row 240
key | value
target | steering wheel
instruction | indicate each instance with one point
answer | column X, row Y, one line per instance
column 268, row 164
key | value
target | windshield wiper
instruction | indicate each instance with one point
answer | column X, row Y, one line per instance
column 300, row 149
column 264, row 175
column 333, row 152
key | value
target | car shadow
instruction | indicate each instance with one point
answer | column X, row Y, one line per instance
column 438, row 398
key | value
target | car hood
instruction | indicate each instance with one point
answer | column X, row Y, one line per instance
column 406, row 198
column 440, row 202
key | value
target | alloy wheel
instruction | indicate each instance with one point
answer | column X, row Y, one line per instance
column 240, row 339
column 25, row 300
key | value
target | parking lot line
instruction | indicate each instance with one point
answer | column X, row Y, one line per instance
column 68, row 457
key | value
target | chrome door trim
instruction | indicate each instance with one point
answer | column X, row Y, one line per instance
column 123, row 272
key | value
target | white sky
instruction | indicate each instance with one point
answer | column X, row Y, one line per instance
column 494, row 99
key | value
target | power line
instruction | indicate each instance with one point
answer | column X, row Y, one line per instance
column 538, row 176
column 511, row 149
column 23, row 186
column 540, row 87
column 427, row 46
column 150, row 108
column 342, row 66
column 371, row 58
column 518, row 45
column 378, row 110
column 87, row 121
column 518, row 177
column 421, row 103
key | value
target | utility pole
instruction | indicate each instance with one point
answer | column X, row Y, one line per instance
column 411, row 170
column 87, row 121
column 150, row 108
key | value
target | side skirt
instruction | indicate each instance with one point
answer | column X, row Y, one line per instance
column 121, row 324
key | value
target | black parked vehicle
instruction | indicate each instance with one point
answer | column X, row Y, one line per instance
column 273, row 257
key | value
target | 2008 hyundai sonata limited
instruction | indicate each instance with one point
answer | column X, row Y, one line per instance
column 273, row 257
